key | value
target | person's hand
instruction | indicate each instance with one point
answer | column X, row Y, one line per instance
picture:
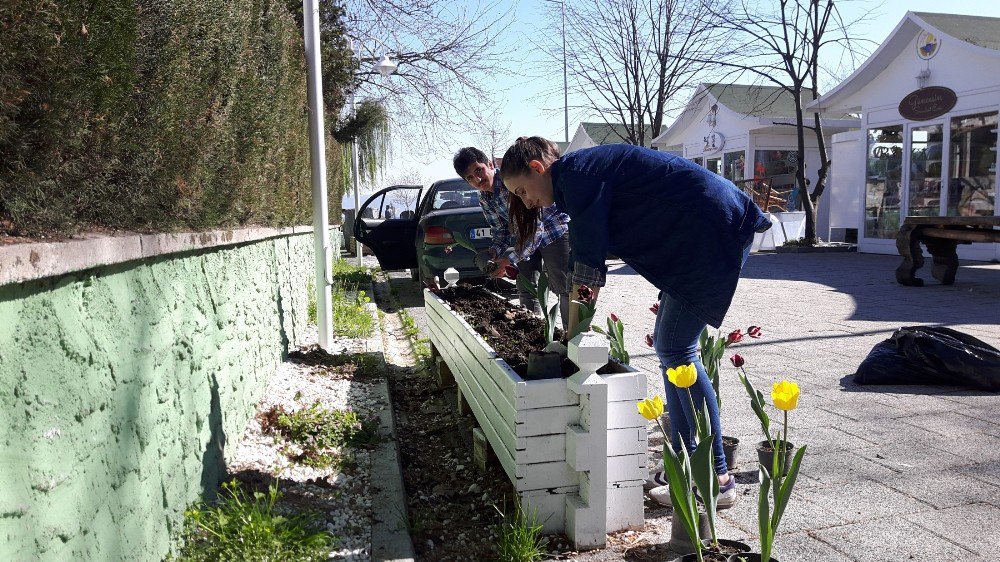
column 501, row 268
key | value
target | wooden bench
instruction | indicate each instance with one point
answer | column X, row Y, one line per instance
column 941, row 235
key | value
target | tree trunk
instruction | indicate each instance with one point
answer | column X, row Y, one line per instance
column 800, row 173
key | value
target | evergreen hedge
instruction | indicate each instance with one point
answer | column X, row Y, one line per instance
column 153, row 115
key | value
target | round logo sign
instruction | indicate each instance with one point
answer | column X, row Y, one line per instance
column 714, row 142
column 928, row 45
column 927, row 103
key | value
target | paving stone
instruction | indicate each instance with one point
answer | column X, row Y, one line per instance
column 953, row 424
column 972, row 526
column 864, row 500
column 892, row 538
column 802, row 546
column 944, row 489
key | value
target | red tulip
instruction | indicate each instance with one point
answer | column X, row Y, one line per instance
column 754, row 332
column 655, row 309
column 614, row 317
column 737, row 360
column 649, row 340
column 735, row 336
column 585, row 294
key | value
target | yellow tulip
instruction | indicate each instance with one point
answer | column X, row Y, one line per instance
column 682, row 376
column 785, row 395
column 651, row 409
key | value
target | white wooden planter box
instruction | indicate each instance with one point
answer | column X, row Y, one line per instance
column 575, row 448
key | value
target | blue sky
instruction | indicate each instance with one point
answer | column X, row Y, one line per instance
column 533, row 98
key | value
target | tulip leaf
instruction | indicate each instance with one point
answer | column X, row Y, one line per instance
column 705, row 478
column 757, row 404
column 785, row 492
column 764, row 516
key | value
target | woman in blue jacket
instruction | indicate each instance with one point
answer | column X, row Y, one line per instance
column 685, row 229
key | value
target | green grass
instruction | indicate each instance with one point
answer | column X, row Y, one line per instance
column 351, row 274
column 321, row 432
column 520, row 536
column 351, row 317
column 244, row 526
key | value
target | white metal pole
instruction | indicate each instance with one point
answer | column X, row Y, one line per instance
column 354, row 179
column 317, row 156
column 565, row 80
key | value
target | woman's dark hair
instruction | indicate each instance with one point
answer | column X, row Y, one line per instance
column 524, row 221
column 466, row 157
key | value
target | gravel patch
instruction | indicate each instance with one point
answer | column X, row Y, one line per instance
column 341, row 495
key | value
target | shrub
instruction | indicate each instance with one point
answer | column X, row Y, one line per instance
column 156, row 115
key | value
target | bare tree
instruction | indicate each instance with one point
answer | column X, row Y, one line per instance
column 446, row 52
column 493, row 135
column 632, row 59
column 779, row 42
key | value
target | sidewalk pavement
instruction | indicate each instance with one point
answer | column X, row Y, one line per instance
column 907, row 472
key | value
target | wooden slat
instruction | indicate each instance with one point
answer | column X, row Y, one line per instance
column 502, row 397
column 547, row 421
column 486, row 410
column 543, row 448
column 541, row 476
column 624, row 414
column 545, row 394
column 627, row 441
column 550, row 509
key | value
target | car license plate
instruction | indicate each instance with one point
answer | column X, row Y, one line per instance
column 477, row 233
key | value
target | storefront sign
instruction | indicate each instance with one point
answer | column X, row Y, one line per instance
column 927, row 103
column 714, row 142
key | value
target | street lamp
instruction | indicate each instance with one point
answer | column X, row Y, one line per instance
column 562, row 5
column 385, row 67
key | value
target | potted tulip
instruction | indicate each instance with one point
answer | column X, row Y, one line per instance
column 771, row 449
column 686, row 472
column 712, row 349
column 775, row 485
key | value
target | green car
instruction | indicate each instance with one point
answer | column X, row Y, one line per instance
column 426, row 232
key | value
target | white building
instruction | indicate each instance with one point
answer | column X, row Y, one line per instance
column 748, row 132
column 929, row 98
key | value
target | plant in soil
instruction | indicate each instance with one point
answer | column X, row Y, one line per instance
column 519, row 536
column 510, row 330
column 320, row 432
column 245, row 526
column 616, row 339
column 350, row 316
column 775, row 487
column 550, row 314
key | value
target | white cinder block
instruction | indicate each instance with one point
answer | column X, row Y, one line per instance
column 625, row 508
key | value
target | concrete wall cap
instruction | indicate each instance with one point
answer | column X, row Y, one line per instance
column 38, row 260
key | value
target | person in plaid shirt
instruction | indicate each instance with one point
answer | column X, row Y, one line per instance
column 548, row 250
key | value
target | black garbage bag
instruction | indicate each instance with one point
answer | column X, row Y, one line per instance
column 932, row 355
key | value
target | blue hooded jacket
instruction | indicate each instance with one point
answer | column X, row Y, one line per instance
column 677, row 224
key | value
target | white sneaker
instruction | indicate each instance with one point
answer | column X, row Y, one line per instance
column 660, row 495
column 654, row 480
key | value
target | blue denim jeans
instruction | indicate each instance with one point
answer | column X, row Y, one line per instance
column 675, row 340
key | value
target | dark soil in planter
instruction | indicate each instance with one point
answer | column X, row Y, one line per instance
column 510, row 330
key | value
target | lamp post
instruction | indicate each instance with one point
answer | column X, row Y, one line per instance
column 317, row 158
column 562, row 5
column 385, row 67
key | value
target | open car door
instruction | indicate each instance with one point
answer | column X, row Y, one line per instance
column 387, row 223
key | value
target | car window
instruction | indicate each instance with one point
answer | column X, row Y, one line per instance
column 455, row 195
column 396, row 204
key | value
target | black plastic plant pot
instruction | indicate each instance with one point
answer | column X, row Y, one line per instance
column 748, row 557
column 766, row 456
column 727, row 546
column 730, row 446
column 543, row 365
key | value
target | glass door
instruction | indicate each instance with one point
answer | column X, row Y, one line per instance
column 883, row 182
column 925, row 180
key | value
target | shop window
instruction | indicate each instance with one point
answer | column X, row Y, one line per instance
column 698, row 161
column 714, row 165
column 972, row 175
column 883, row 181
column 767, row 163
column 733, row 164
column 926, row 144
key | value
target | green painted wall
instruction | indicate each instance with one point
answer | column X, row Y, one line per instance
column 123, row 388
